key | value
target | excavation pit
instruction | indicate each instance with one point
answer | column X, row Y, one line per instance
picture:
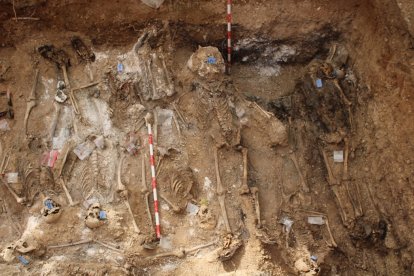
column 297, row 162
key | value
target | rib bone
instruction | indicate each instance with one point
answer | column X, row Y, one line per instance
column 220, row 192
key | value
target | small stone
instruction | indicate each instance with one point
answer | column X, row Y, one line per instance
column 302, row 266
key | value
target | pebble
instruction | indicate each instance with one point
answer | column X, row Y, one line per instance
column 302, row 266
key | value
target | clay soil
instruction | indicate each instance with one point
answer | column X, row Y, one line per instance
column 269, row 107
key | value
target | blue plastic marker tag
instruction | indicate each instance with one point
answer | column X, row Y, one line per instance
column 49, row 204
column 102, row 215
column 211, row 60
column 120, row 67
column 319, row 83
column 23, row 260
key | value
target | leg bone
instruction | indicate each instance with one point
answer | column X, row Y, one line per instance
column 20, row 200
column 255, row 192
column 245, row 187
column 331, row 177
column 126, row 201
column 220, row 192
column 144, row 189
column 120, row 187
column 302, row 178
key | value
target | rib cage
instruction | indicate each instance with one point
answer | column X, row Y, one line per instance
column 31, row 180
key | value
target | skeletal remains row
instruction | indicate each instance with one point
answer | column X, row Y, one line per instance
column 208, row 86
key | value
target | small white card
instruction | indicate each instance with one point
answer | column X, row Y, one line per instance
column 338, row 156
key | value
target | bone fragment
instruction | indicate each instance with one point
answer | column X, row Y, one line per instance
column 175, row 208
column 86, row 86
column 180, row 115
column 264, row 112
column 182, row 252
column 68, row 196
column 345, row 174
column 4, row 162
column 177, row 126
column 333, row 243
column 332, row 52
column 70, row 244
column 155, row 128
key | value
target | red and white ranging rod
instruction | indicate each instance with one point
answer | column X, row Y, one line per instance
column 154, row 182
column 229, row 35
